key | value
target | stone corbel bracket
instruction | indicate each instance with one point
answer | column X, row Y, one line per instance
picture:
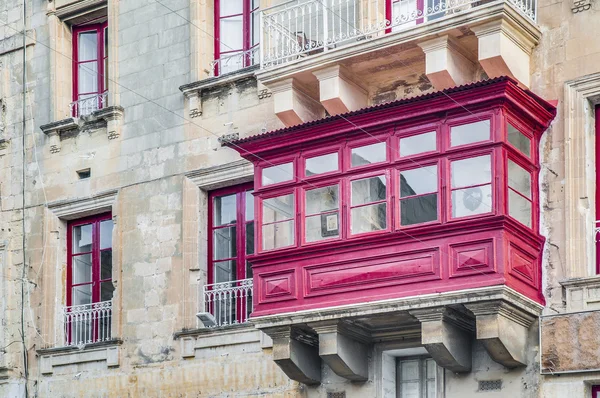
column 296, row 353
column 112, row 116
column 447, row 335
column 54, row 130
column 194, row 103
column 503, row 329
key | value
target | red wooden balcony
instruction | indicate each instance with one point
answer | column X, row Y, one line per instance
column 437, row 193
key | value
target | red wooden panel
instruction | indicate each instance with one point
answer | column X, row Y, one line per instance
column 472, row 258
column 276, row 286
column 522, row 265
column 383, row 271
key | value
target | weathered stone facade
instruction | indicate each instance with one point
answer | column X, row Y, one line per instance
column 155, row 153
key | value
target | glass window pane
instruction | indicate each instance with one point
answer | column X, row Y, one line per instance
column 519, row 208
column 229, row 7
column 431, row 369
column 249, row 206
column 87, row 49
column 418, row 181
column 106, row 291
column 106, row 229
column 224, row 271
column 225, row 211
column 471, row 171
column 418, row 144
column 519, row 140
column 469, row 133
column 88, row 78
column 106, row 264
column 321, row 164
column 82, row 238
column 472, row 201
column 431, row 390
column 278, row 235
column 250, row 238
column 255, row 26
column 82, row 268
column 81, row 295
column 410, row 370
column 519, row 179
column 411, row 390
column 224, row 245
column 418, row 209
column 278, row 209
column 368, row 190
column 322, row 226
column 368, row 154
column 322, row 199
column 231, row 34
column 368, row 218
column 279, row 173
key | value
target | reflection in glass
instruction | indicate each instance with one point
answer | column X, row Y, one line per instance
column 278, row 209
column 81, row 294
column 470, row 133
column 106, row 291
column 87, row 77
column 225, row 211
column 106, row 228
column 368, row 154
column 519, row 208
column 368, row 190
column 324, row 202
column 224, row 271
column 231, row 33
column 322, row 226
column 250, row 238
column 224, row 243
column 82, row 238
column 88, row 46
column 322, row 199
column 418, row 209
column 418, row 181
column 418, row 144
column 519, row 140
column 519, row 179
column 276, row 174
column 249, row 206
column 321, row 164
column 106, row 264
column 82, row 268
column 472, row 201
column 278, row 235
column 471, row 171
column 368, row 218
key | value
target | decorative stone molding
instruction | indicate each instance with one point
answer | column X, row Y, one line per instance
column 579, row 181
column 447, row 335
column 56, row 357
column 296, row 353
column 74, row 11
column 503, row 329
column 345, row 355
column 583, row 294
column 73, row 209
column 222, row 175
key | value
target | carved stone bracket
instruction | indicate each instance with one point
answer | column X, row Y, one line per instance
column 296, row 353
column 447, row 335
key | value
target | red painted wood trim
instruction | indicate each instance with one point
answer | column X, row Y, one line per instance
column 597, row 185
column 96, row 271
column 100, row 56
column 596, row 392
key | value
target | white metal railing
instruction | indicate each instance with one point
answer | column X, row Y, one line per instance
column 88, row 323
column 299, row 28
column 233, row 62
column 228, row 302
column 86, row 106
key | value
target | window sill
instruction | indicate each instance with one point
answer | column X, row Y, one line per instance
column 583, row 294
column 194, row 340
column 51, row 358
column 221, row 80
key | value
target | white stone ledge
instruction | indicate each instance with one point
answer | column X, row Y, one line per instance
column 222, row 175
column 65, row 356
column 77, row 208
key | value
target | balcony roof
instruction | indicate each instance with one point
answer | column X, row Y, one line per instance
column 498, row 86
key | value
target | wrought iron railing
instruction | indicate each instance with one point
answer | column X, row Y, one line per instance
column 233, row 62
column 299, row 28
column 228, row 302
column 86, row 106
column 88, row 323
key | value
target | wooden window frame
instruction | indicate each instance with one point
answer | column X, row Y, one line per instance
column 595, row 391
column 247, row 45
column 96, row 281
column 240, row 224
column 101, row 30
column 596, row 235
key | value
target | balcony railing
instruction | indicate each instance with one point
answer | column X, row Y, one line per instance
column 86, row 106
column 300, row 28
column 228, row 303
column 88, row 323
column 233, row 62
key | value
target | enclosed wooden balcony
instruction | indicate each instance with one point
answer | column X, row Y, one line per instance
column 420, row 212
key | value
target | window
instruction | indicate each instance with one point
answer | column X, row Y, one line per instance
column 519, row 193
column 90, row 68
column 471, row 183
column 470, row 133
column 519, row 140
column 416, row 378
column 368, row 207
column 418, row 195
column 236, row 34
column 407, row 10
column 368, row 154
column 322, row 164
column 417, row 144
column 597, row 226
column 322, row 214
column 277, row 174
column 278, row 229
column 89, row 280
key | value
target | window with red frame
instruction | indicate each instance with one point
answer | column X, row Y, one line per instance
column 90, row 62
column 398, row 181
column 596, row 392
column 236, row 34
column 407, row 10
column 597, row 226
column 89, row 265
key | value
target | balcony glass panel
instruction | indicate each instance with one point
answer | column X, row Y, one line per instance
column 471, row 186
column 519, row 140
column 368, row 154
column 416, row 144
column 322, row 209
column 418, row 193
column 321, row 164
column 276, row 174
column 224, row 210
column 470, row 133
